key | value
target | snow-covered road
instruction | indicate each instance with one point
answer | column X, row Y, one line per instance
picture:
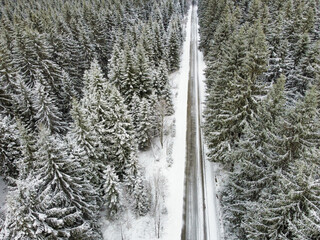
column 201, row 216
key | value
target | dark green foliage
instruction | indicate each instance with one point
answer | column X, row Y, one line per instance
column 10, row 151
column 267, row 140
column 111, row 193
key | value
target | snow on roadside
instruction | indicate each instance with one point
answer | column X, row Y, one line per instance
column 155, row 163
column 176, row 174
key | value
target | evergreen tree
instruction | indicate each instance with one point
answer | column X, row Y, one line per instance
column 255, row 156
column 47, row 112
column 228, row 111
column 134, row 110
column 27, row 146
column 7, row 73
column 144, row 79
column 65, row 203
column 24, row 100
column 162, row 87
column 144, row 125
column 21, row 219
column 111, row 192
column 173, row 46
column 136, row 188
column 10, row 152
column 128, row 86
column 83, row 137
column 110, row 119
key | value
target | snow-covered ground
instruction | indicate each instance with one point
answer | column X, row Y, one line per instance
column 156, row 165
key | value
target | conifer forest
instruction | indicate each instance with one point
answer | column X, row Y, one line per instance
column 262, row 114
column 91, row 96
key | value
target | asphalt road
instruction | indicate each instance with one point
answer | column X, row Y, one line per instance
column 195, row 224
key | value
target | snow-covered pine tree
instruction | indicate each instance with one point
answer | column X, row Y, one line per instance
column 7, row 73
column 115, row 75
column 144, row 128
column 24, row 102
column 136, row 187
column 110, row 119
column 21, row 220
column 289, row 200
column 143, row 81
column 112, row 192
column 47, row 112
column 228, row 111
column 27, row 142
column 10, row 152
column 173, row 45
column 67, row 93
column 83, row 136
column 254, row 157
column 141, row 200
column 66, row 207
column 128, row 85
column 134, row 110
column 158, row 43
column 162, row 87
column 119, row 138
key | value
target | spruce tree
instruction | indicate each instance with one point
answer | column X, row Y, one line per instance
column 255, row 157
column 144, row 125
column 21, row 220
column 144, row 78
column 24, row 100
column 10, row 152
column 65, row 203
column 228, row 111
column 47, row 112
column 173, row 46
column 111, row 193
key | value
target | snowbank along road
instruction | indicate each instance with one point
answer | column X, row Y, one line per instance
column 198, row 224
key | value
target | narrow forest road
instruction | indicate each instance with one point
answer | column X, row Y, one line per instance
column 199, row 199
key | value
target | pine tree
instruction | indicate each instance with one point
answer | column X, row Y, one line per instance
column 24, row 100
column 158, row 43
column 134, row 110
column 144, row 125
column 10, row 152
column 116, row 66
column 27, row 147
column 65, row 203
column 228, row 111
column 110, row 118
column 111, row 192
column 255, row 157
column 68, row 92
column 47, row 112
column 162, row 87
column 143, row 79
column 21, row 220
column 141, row 202
column 128, row 85
column 136, row 188
column 7, row 73
column 83, row 137
column 173, row 46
